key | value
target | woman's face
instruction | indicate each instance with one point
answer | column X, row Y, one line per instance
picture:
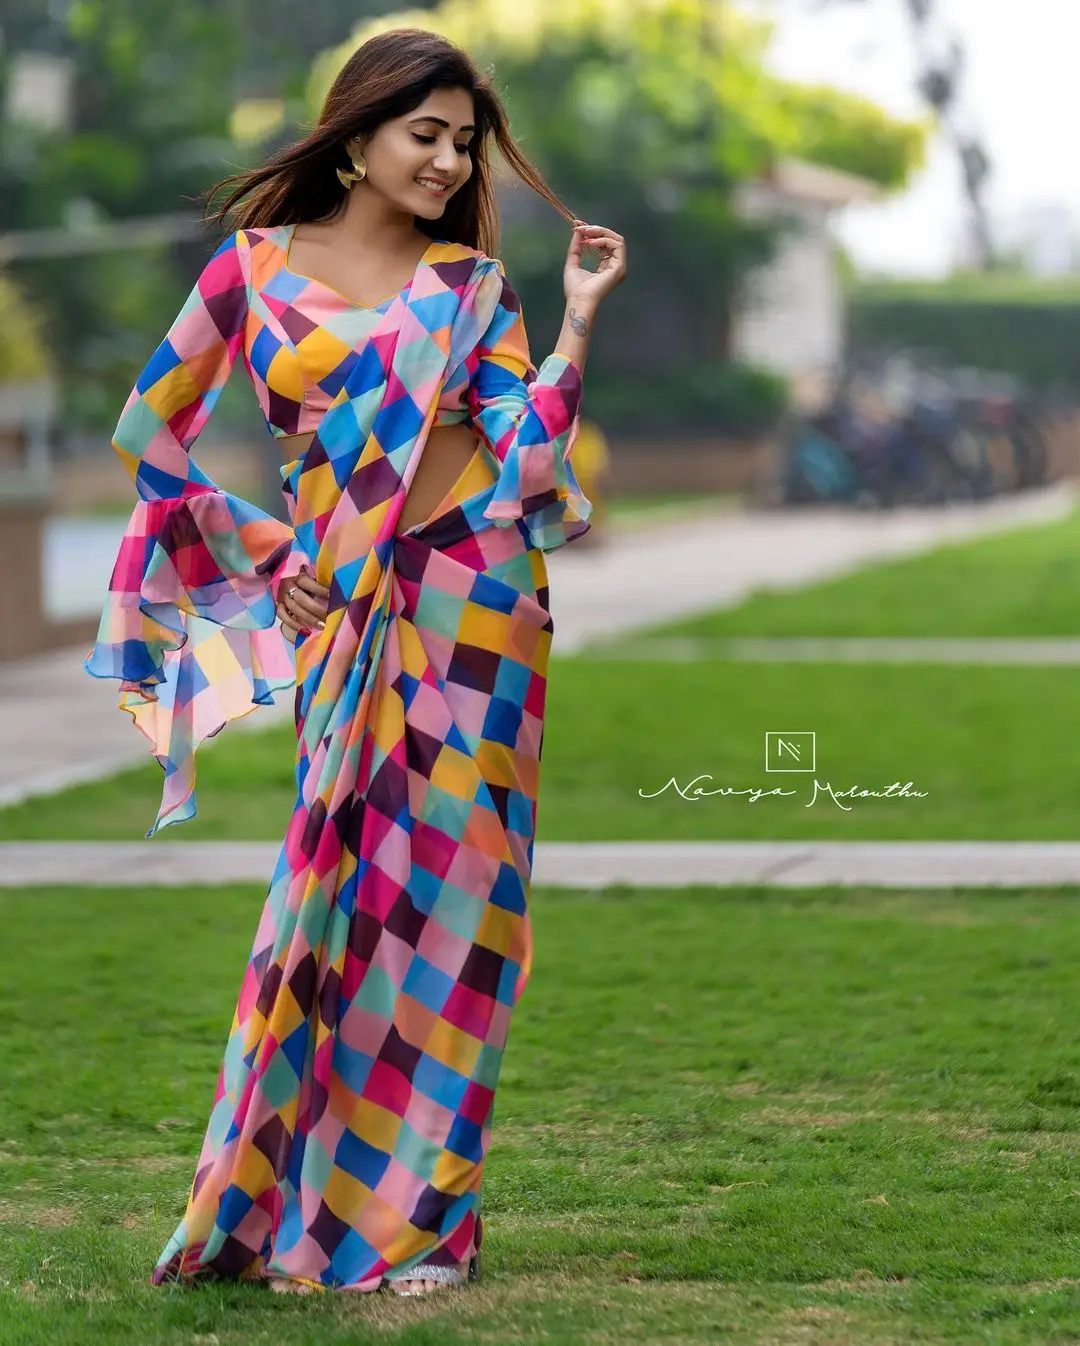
column 429, row 144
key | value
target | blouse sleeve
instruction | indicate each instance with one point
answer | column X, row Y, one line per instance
column 188, row 625
column 530, row 419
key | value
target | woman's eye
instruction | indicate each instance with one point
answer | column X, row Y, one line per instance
column 430, row 140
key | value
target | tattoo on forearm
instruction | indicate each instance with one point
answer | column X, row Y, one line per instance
column 578, row 324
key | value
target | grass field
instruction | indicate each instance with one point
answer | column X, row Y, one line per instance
column 635, row 511
column 741, row 1115
column 991, row 747
column 1022, row 583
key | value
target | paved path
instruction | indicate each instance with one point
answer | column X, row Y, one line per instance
column 61, row 726
column 591, row 865
column 686, row 568
column 913, row 650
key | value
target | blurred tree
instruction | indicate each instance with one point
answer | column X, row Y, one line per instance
column 154, row 84
column 650, row 113
column 24, row 353
column 151, row 95
column 32, row 25
column 940, row 78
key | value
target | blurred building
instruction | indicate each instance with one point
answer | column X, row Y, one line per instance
column 39, row 91
column 792, row 319
column 1047, row 239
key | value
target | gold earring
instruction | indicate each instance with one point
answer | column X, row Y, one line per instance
column 359, row 172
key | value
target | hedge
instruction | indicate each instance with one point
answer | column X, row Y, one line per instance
column 1031, row 332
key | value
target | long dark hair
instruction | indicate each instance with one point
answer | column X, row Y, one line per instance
column 388, row 76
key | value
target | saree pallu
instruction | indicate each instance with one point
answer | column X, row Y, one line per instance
column 354, row 1103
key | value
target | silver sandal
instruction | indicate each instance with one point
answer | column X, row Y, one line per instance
column 443, row 1275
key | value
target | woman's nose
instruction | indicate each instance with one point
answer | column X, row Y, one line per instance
column 446, row 161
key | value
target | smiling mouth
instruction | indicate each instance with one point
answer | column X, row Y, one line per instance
column 436, row 189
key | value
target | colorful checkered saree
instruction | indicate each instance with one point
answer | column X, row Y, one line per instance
column 354, row 1103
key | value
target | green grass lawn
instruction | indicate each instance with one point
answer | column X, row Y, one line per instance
column 1022, row 583
column 637, row 511
column 994, row 748
column 836, row 1118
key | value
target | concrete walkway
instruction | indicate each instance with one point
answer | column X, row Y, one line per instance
column 859, row 650
column 60, row 726
column 590, row 865
column 682, row 569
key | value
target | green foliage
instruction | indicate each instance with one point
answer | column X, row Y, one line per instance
column 665, row 89
column 152, row 96
column 647, row 114
column 24, row 353
column 1007, row 325
column 720, row 398
column 841, row 130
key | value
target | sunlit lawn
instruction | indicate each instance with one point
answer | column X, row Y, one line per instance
column 830, row 1118
column 1025, row 582
column 993, row 748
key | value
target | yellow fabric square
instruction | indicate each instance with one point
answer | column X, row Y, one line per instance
column 497, row 765
column 452, row 1047
column 285, row 377
column 390, row 717
column 378, row 1125
column 321, row 491
column 343, row 1193
column 414, row 658
column 499, row 929
column 172, row 392
column 484, row 628
column 454, row 772
column 252, row 1172
column 321, row 352
column 452, row 1173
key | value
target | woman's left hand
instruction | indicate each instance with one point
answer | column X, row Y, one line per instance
column 582, row 286
column 302, row 606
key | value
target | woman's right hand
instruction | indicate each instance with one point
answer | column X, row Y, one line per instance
column 302, row 605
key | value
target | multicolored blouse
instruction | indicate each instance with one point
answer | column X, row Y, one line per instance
column 189, row 624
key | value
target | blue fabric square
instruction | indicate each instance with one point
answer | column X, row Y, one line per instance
column 294, row 1048
column 465, row 1139
column 361, row 1160
column 263, row 349
column 508, row 891
column 159, row 364
column 234, row 1205
column 512, row 681
column 423, row 887
column 439, row 1082
column 398, row 423
column 502, row 721
column 427, row 984
column 352, row 1260
column 354, row 1067
column 490, row 593
column 519, row 814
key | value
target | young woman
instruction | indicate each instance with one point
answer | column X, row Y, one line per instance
column 426, row 472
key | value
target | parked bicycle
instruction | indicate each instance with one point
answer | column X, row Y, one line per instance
column 901, row 432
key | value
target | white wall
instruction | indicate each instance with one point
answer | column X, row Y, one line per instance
column 792, row 320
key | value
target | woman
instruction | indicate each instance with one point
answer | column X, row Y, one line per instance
column 426, row 473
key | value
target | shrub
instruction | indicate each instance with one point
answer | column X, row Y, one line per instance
column 728, row 400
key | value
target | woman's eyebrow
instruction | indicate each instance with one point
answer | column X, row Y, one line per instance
column 439, row 122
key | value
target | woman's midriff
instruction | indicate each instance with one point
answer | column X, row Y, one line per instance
column 447, row 453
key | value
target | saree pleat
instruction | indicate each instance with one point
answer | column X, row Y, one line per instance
column 354, row 1104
